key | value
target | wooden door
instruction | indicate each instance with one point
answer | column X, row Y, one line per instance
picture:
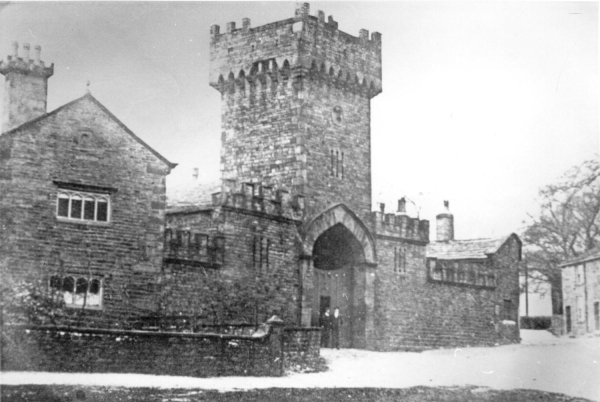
column 335, row 286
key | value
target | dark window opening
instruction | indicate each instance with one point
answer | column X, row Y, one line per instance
column 76, row 208
column 102, row 211
column 63, row 207
column 82, row 286
column 69, row 284
column 399, row 260
column 260, row 252
column 89, row 210
column 95, row 286
column 507, row 310
column 55, row 282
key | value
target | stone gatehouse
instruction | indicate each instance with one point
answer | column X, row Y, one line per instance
column 292, row 214
column 294, row 207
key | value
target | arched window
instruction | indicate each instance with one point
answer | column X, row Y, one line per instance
column 69, row 284
column 55, row 282
column 79, row 292
column 81, row 286
column 94, row 286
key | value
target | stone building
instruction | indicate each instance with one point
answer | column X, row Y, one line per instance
column 82, row 198
column 581, row 294
column 83, row 204
column 294, row 208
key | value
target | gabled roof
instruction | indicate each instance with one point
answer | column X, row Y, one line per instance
column 466, row 249
column 590, row 255
column 89, row 96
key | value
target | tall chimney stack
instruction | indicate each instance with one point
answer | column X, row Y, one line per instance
column 445, row 224
column 25, row 87
column 402, row 206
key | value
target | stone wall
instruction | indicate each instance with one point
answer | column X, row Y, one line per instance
column 415, row 313
column 581, row 290
column 260, row 250
column 301, row 348
column 64, row 349
column 81, row 146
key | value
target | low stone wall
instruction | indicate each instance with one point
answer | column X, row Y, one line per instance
column 268, row 352
column 301, row 348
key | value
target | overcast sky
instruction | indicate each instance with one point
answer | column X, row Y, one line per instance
column 482, row 102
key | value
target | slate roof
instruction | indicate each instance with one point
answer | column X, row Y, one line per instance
column 465, row 249
column 593, row 254
column 190, row 195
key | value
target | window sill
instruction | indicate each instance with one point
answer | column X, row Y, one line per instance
column 82, row 222
column 78, row 307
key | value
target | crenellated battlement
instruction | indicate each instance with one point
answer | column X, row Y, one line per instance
column 185, row 245
column 303, row 46
column 261, row 198
column 26, row 64
column 400, row 225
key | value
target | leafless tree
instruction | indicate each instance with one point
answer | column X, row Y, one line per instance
column 567, row 226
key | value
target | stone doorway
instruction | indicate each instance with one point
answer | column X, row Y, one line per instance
column 336, row 253
column 338, row 266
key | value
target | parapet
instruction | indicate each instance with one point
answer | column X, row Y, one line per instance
column 400, row 225
column 260, row 198
column 25, row 64
column 295, row 46
column 193, row 247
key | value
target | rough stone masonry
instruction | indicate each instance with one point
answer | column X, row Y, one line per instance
column 83, row 205
column 296, row 170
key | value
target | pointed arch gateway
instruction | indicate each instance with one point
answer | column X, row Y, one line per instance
column 338, row 270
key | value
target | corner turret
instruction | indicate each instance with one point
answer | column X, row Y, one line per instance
column 25, row 87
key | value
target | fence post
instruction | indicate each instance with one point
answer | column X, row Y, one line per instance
column 276, row 341
column 222, row 347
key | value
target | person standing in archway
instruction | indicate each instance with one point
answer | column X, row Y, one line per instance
column 325, row 328
column 336, row 324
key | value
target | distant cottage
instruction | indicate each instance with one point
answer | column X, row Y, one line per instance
column 83, row 203
column 581, row 294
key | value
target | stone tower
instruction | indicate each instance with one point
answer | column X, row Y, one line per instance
column 26, row 87
column 296, row 107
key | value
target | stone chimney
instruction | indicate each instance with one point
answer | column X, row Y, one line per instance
column 25, row 87
column 402, row 206
column 445, row 224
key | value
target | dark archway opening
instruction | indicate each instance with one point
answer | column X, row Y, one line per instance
column 336, row 248
column 336, row 255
